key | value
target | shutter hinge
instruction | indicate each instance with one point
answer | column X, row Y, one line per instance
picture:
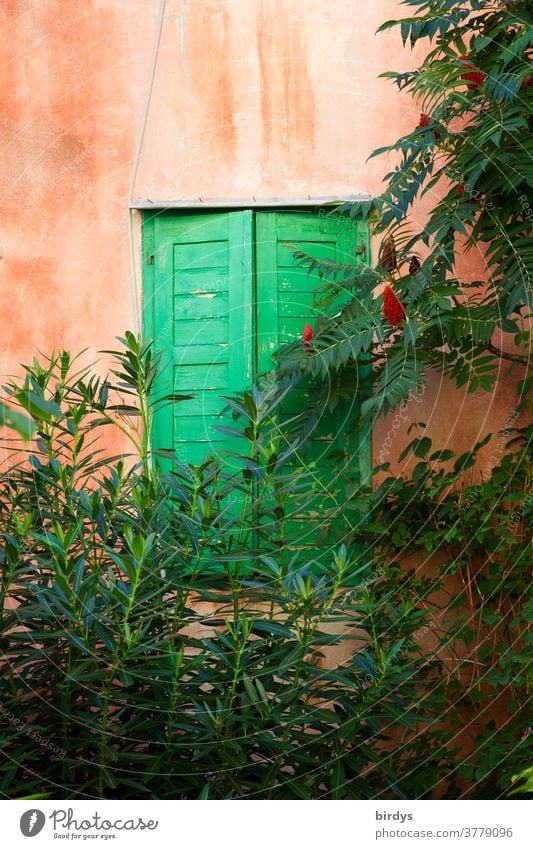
column 150, row 259
column 361, row 250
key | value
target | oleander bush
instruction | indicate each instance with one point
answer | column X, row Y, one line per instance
column 159, row 643
column 153, row 646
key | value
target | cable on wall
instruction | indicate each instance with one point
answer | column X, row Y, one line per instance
column 135, row 166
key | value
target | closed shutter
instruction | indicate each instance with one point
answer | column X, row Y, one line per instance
column 222, row 292
column 198, row 310
column 284, row 298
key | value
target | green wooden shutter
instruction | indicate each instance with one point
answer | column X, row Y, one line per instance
column 284, row 298
column 214, row 328
column 198, row 310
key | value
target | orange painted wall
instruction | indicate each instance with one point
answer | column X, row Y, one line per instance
column 250, row 98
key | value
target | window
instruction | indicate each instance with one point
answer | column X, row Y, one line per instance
column 221, row 292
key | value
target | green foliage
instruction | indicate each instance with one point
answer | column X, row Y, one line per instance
column 10, row 418
column 524, row 782
column 473, row 150
column 479, row 534
column 164, row 636
column 169, row 635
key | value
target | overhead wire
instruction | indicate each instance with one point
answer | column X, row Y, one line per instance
column 135, row 165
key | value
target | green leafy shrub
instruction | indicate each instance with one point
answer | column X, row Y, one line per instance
column 165, row 635
column 157, row 642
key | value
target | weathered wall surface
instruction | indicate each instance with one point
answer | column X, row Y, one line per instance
column 271, row 98
column 250, row 98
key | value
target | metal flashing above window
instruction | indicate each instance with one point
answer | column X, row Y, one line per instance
column 243, row 203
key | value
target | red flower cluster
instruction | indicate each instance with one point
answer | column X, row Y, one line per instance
column 460, row 189
column 307, row 335
column 424, row 122
column 475, row 78
column 392, row 307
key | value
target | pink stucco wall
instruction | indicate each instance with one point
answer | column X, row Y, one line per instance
column 250, row 98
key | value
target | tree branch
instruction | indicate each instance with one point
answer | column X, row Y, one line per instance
column 514, row 358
